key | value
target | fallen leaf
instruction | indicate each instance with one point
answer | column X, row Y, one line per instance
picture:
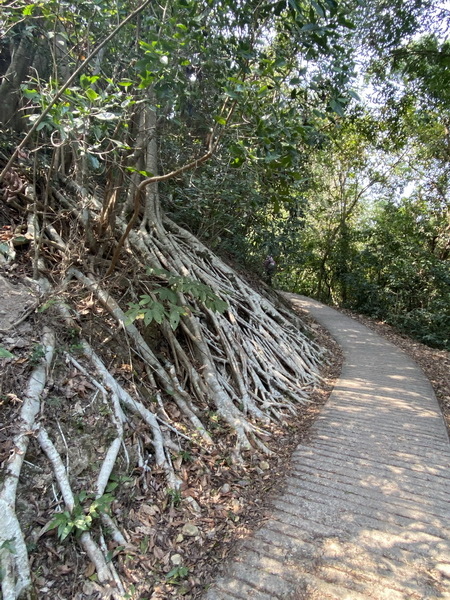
column 90, row 570
column 190, row 530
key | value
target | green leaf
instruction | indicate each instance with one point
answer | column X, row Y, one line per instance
column 145, row 299
column 279, row 7
column 158, row 312
column 148, row 316
column 83, row 523
column 143, row 173
column 93, row 161
column 84, row 81
column 215, row 303
column 9, row 545
column 237, row 162
column 346, row 23
column 5, row 354
column 271, row 156
column 132, row 314
column 231, row 93
column 109, row 556
column 91, row 94
column 29, row 93
column 167, row 294
column 280, row 62
column 354, row 95
column 174, row 319
column 82, row 496
column 152, row 271
column 337, row 108
column 310, row 27
column 178, row 573
column 64, row 531
column 28, row 10
column 318, row 8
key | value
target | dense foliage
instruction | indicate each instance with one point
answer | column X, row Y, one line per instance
column 358, row 214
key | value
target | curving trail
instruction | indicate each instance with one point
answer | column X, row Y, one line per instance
column 366, row 509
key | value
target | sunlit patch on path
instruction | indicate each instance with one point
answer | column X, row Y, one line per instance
column 365, row 513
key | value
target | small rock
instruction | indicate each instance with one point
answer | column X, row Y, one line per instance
column 179, row 538
column 225, row 488
column 190, row 529
column 194, row 504
column 264, row 465
column 90, row 588
column 21, row 343
column 243, row 482
column 176, row 559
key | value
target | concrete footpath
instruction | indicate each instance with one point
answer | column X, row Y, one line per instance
column 366, row 508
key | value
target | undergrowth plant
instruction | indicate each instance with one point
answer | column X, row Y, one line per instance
column 82, row 516
column 166, row 303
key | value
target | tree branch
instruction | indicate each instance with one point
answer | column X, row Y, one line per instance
column 213, row 143
column 67, row 84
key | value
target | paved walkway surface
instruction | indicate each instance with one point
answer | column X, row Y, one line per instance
column 366, row 509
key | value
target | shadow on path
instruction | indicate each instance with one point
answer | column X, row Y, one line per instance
column 366, row 512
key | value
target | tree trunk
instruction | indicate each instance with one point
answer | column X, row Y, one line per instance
column 152, row 209
column 21, row 59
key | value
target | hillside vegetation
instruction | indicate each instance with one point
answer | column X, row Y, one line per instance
column 152, row 157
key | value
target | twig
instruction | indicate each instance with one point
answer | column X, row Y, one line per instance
column 22, row 318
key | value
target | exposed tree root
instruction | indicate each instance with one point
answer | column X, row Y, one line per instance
column 248, row 358
column 104, row 572
column 250, row 364
column 241, row 371
column 13, row 552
